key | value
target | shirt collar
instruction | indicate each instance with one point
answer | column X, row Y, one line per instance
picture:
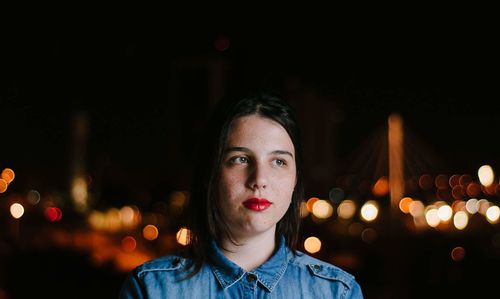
column 268, row 274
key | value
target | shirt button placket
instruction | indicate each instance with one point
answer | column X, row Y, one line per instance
column 250, row 286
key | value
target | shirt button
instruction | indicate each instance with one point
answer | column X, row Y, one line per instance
column 251, row 278
column 317, row 267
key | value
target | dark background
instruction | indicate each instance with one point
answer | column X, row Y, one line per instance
column 148, row 86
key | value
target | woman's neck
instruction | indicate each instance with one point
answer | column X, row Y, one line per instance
column 250, row 252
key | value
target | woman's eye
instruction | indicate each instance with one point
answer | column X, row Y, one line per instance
column 239, row 160
column 279, row 162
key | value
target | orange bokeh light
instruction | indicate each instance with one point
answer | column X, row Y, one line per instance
column 129, row 243
column 441, row 181
column 3, row 185
column 150, row 232
column 426, row 182
column 310, row 203
column 8, row 175
column 404, row 204
column 381, row 187
column 458, row 253
column 473, row 189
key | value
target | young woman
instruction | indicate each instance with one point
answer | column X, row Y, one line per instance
column 244, row 211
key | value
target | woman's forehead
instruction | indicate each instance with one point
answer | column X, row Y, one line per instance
column 256, row 130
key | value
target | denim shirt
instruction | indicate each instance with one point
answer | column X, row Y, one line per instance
column 284, row 275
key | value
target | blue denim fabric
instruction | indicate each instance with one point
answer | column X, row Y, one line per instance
column 282, row 276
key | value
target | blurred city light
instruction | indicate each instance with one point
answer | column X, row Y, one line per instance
column 369, row 211
column 3, row 185
column 129, row 244
column 182, row 236
column 445, row 212
column 150, row 232
column 312, row 245
column 8, row 175
column 53, row 214
column 322, row 209
column 431, row 216
column 346, row 209
column 16, row 210
column 486, row 175
column 404, row 204
column 460, row 220
column 310, row 203
column 492, row 214
column 457, row 253
column 79, row 193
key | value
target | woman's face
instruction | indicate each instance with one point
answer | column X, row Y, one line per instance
column 258, row 176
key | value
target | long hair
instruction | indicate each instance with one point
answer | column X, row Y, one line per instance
column 204, row 218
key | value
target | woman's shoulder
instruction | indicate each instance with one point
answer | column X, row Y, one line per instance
column 164, row 263
column 322, row 269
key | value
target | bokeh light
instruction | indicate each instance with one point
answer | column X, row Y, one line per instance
column 16, row 210
column 458, row 205
column 336, row 195
column 322, row 209
column 8, row 175
column 460, row 220
column 426, row 182
column 465, row 180
column 310, row 203
column 97, row 220
column 417, row 208
column 472, row 206
column 79, row 193
column 369, row 211
column 177, row 200
column 492, row 214
column 404, row 204
column 53, row 214
column 454, row 180
column 129, row 243
column 182, row 236
column 369, row 235
column 312, row 244
column 127, row 216
column 441, row 181
column 3, row 185
column 473, row 189
column 457, row 253
column 431, row 216
column 33, row 197
column 150, row 232
column 483, row 205
column 346, row 209
column 381, row 187
column 486, row 175
column 445, row 212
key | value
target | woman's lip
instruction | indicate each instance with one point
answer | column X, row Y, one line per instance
column 257, row 204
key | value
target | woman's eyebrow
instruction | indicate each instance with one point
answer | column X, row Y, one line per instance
column 247, row 150
column 281, row 152
column 237, row 149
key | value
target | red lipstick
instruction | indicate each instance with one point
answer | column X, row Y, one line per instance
column 257, row 204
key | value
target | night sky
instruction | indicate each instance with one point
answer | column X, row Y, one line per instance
column 124, row 76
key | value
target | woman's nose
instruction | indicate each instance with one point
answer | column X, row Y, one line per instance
column 258, row 177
